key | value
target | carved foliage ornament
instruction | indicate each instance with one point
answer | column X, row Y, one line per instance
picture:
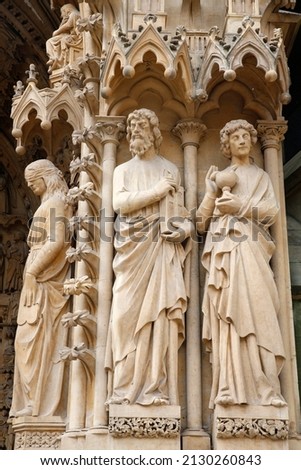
column 252, row 427
column 38, row 440
column 144, row 427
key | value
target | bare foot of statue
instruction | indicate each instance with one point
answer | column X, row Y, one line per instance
column 224, row 400
column 117, row 401
column 27, row 411
column 160, row 401
column 278, row 402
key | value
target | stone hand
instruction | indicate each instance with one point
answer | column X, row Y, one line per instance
column 30, row 289
column 166, row 185
column 210, row 184
column 183, row 230
column 229, row 203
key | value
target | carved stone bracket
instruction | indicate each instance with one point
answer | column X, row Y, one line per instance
column 88, row 164
column 85, row 286
column 90, row 137
column 144, row 427
column 81, row 318
column 90, row 225
column 84, row 253
column 271, row 133
column 82, row 353
column 85, row 193
column 88, row 96
column 252, row 428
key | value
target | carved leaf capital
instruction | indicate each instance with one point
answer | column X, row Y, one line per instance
column 190, row 131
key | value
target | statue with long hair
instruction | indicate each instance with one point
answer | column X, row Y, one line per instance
column 240, row 303
column 38, row 382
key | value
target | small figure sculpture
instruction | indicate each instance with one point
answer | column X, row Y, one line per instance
column 149, row 294
column 18, row 89
column 65, row 36
column 16, row 254
column 240, row 302
column 40, row 335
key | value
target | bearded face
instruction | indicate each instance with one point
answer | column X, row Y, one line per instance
column 142, row 138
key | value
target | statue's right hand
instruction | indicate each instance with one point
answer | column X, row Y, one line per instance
column 30, row 289
column 166, row 185
column 210, row 184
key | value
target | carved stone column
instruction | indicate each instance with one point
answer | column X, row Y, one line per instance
column 111, row 130
column 191, row 131
column 81, row 385
column 271, row 133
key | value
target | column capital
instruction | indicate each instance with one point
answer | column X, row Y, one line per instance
column 111, row 129
column 190, row 131
column 271, row 133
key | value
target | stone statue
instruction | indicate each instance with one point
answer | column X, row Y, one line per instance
column 16, row 254
column 240, row 302
column 149, row 294
column 40, row 335
column 65, row 36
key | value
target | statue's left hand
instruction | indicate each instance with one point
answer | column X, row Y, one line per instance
column 183, row 230
column 229, row 203
column 30, row 289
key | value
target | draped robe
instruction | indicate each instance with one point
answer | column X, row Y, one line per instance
column 241, row 304
column 40, row 335
column 149, row 293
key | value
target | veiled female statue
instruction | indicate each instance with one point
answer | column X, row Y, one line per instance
column 39, row 374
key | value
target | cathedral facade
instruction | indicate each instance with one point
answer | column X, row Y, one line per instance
column 73, row 74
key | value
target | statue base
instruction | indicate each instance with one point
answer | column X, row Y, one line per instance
column 247, row 427
column 145, row 427
column 195, row 440
column 37, row 433
column 131, row 427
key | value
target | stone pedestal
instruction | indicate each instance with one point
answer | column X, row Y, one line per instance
column 36, row 433
column 131, row 427
column 195, row 440
column 145, row 427
column 250, row 428
column 92, row 439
